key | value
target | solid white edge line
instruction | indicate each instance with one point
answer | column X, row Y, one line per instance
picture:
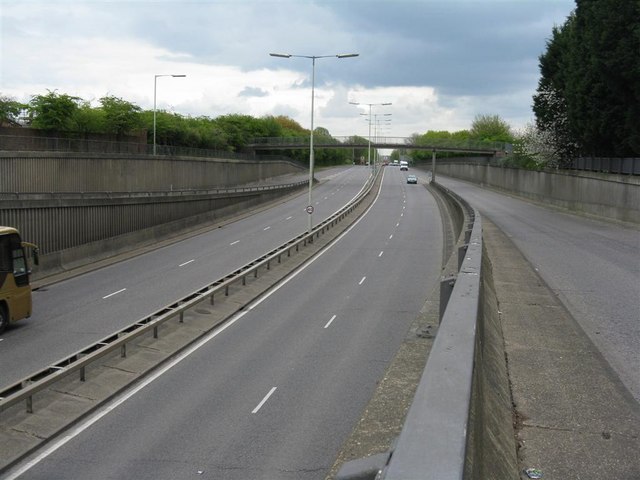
column 330, row 321
column 264, row 400
column 74, row 432
column 114, row 293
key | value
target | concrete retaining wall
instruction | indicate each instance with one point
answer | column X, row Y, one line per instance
column 491, row 444
column 59, row 222
column 81, row 207
column 615, row 197
column 84, row 172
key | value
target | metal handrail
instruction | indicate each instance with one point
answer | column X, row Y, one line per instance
column 24, row 389
column 398, row 142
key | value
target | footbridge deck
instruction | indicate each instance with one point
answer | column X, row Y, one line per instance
column 394, row 143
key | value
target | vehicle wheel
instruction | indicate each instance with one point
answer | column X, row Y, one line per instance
column 4, row 319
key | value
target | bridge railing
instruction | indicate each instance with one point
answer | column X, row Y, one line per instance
column 390, row 142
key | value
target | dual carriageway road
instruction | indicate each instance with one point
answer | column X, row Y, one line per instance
column 275, row 394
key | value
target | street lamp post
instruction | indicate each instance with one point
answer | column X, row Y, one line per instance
column 155, row 82
column 370, row 105
column 313, row 81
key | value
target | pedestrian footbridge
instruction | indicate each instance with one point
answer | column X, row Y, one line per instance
column 394, row 143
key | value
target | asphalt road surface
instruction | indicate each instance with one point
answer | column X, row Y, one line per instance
column 276, row 392
column 75, row 313
column 593, row 266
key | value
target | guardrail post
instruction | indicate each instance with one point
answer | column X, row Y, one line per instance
column 446, row 287
column 29, row 401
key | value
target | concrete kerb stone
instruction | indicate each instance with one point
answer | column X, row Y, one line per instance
column 67, row 402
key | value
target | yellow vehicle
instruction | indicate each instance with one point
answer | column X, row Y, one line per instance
column 15, row 291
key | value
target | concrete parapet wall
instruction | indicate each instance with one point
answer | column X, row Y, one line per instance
column 82, row 207
column 86, row 172
column 615, row 197
column 491, row 444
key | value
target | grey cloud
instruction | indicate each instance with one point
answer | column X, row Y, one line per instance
column 253, row 92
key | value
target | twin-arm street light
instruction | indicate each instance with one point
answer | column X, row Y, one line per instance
column 155, row 81
column 370, row 105
column 313, row 80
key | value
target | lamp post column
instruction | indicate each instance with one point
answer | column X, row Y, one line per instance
column 311, row 155
column 155, row 83
column 313, row 85
column 369, row 154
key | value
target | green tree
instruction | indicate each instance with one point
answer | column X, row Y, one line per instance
column 358, row 153
column 490, row 128
column 88, row 120
column 120, row 116
column 169, row 127
column 603, row 88
column 207, row 133
column 550, row 103
column 53, row 112
column 327, row 156
column 240, row 129
column 588, row 97
column 290, row 128
column 10, row 109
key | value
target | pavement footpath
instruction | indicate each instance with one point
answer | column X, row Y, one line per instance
column 573, row 417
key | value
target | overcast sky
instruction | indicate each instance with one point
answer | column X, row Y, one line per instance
column 439, row 62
